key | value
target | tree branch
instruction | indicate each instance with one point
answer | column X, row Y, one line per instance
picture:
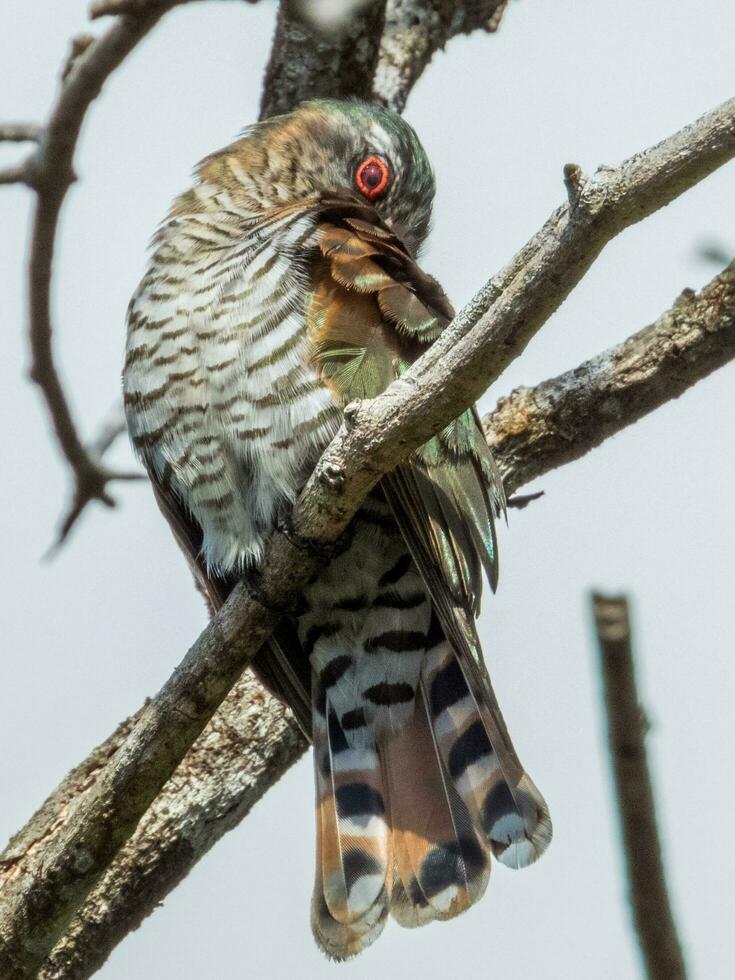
column 19, row 133
column 537, row 429
column 136, row 8
column 110, row 429
column 415, row 30
column 15, row 174
column 308, row 63
column 49, row 171
column 379, row 50
column 627, row 727
column 42, row 890
column 244, row 750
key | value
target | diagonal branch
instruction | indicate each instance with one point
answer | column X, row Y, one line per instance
column 626, row 730
column 500, row 321
column 42, row 892
column 246, row 748
column 228, row 769
column 537, row 429
column 136, row 8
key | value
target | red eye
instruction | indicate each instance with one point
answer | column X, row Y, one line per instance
column 372, row 177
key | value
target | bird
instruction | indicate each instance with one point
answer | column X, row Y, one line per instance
column 283, row 286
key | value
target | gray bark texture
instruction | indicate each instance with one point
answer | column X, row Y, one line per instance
column 127, row 824
column 309, row 63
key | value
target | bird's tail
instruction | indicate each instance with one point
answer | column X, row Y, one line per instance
column 408, row 826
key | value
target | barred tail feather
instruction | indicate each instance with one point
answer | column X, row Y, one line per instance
column 407, row 821
column 354, row 861
column 441, row 865
column 501, row 798
column 340, row 941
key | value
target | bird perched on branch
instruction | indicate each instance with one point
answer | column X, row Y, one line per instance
column 283, row 286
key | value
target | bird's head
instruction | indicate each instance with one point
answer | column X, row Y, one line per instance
column 327, row 148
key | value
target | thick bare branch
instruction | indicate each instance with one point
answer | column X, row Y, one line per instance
column 415, row 30
column 41, row 891
column 536, row 429
column 380, row 50
column 243, row 751
column 41, row 895
column 308, row 62
column 626, row 729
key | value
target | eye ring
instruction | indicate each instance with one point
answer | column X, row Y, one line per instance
column 371, row 177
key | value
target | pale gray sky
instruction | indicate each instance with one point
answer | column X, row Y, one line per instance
column 88, row 636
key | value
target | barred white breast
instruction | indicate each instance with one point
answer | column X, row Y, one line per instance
column 220, row 396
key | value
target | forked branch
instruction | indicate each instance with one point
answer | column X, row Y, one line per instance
column 49, row 172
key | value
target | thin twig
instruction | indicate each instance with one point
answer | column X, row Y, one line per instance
column 109, row 431
column 111, row 428
column 519, row 501
column 49, row 171
column 42, row 894
column 136, row 8
column 20, row 133
column 18, row 173
column 627, row 728
column 716, row 253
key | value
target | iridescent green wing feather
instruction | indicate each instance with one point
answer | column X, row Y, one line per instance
column 372, row 314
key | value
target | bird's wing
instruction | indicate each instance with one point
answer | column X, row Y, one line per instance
column 372, row 313
column 280, row 665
